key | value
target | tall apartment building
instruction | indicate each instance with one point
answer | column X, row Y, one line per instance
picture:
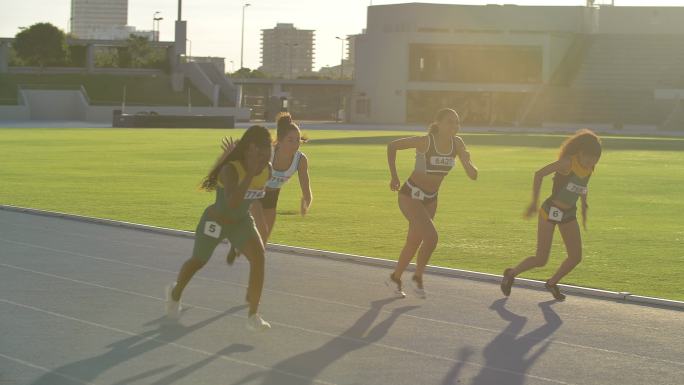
column 100, row 19
column 287, row 51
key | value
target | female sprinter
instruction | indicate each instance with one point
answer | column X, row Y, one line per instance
column 286, row 160
column 239, row 177
column 435, row 157
column 578, row 156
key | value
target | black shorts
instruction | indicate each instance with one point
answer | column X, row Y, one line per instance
column 411, row 190
column 557, row 215
column 270, row 200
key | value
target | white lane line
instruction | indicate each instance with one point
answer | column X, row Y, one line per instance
column 450, row 323
column 159, row 340
column 46, row 370
column 175, row 251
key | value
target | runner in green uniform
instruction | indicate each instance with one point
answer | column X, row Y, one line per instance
column 578, row 157
column 238, row 177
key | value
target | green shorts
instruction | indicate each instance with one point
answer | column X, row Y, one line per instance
column 209, row 233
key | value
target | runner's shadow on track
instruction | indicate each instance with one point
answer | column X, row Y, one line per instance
column 305, row 367
column 507, row 357
column 89, row 369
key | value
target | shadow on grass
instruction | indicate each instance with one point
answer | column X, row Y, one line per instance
column 523, row 140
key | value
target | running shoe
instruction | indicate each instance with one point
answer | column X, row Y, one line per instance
column 555, row 291
column 417, row 286
column 173, row 308
column 395, row 285
column 507, row 282
column 232, row 254
column 257, row 324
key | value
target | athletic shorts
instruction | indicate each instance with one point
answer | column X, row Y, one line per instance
column 270, row 200
column 555, row 214
column 411, row 190
column 211, row 231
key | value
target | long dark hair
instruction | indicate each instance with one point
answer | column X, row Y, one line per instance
column 285, row 125
column 258, row 135
column 585, row 141
column 439, row 116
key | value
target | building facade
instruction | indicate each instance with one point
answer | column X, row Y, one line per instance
column 99, row 19
column 496, row 64
column 286, row 51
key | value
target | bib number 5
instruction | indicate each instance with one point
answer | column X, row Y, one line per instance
column 212, row 229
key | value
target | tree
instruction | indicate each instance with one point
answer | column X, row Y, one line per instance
column 245, row 73
column 42, row 45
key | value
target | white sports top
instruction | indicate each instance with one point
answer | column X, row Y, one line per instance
column 279, row 178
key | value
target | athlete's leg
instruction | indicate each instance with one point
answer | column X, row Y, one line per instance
column 420, row 228
column 190, row 267
column 429, row 244
column 257, row 211
column 254, row 251
column 573, row 244
column 544, row 241
column 269, row 218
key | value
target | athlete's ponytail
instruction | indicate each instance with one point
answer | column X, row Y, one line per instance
column 585, row 141
column 258, row 135
column 285, row 125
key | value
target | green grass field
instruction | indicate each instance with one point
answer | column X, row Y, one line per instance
column 634, row 242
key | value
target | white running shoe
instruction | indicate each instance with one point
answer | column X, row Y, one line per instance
column 257, row 324
column 417, row 286
column 395, row 285
column 173, row 308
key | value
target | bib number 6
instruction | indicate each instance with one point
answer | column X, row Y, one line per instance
column 555, row 214
column 212, row 229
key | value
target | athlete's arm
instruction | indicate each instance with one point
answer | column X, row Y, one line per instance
column 464, row 157
column 417, row 142
column 585, row 207
column 234, row 191
column 304, row 184
column 561, row 165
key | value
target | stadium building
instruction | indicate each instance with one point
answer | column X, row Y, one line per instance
column 520, row 65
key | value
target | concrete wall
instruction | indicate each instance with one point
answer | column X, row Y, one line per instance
column 55, row 104
column 105, row 113
column 411, row 17
column 642, row 20
column 9, row 113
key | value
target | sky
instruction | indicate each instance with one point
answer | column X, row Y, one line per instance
column 214, row 25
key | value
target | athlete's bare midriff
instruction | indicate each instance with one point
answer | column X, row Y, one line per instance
column 427, row 182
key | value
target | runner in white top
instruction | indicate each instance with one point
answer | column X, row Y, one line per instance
column 286, row 161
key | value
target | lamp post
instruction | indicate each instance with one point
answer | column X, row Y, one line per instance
column 341, row 56
column 155, row 30
column 242, row 36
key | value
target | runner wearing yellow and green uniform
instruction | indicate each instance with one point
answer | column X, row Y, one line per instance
column 578, row 157
column 239, row 177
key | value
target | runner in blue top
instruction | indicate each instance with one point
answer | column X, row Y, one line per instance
column 286, row 161
column 436, row 153
column 578, row 157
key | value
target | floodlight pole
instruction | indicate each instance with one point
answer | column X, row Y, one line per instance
column 242, row 35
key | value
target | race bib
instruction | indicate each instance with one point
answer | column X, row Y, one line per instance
column 577, row 189
column 555, row 214
column 446, row 161
column 255, row 194
column 278, row 180
column 417, row 193
column 212, row 229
